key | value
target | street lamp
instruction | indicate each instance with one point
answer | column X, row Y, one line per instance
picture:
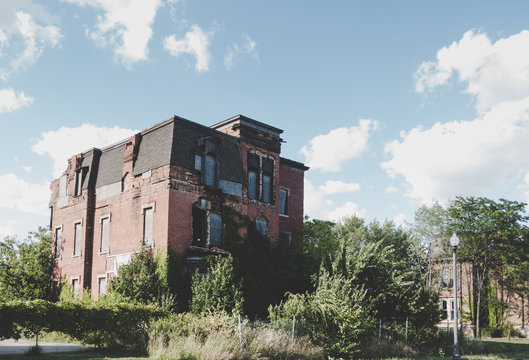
column 454, row 242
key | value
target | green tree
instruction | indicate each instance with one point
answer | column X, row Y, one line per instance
column 490, row 232
column 218, row 290
column 26, row 267
column 144, row 280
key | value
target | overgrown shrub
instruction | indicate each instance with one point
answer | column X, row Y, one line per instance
column 219, row 290
column 334, row 316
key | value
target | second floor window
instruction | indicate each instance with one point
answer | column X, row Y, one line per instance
column 77, row 239
column 253, row 176
column 148, row 215
column 215, row 229
column 210, row 170
column 58, row 239
column 105, row 229
column 283, row 202
column 260, row 179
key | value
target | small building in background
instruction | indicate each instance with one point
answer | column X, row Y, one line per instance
column 166, row 187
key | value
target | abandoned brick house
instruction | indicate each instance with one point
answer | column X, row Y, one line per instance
column 166, row 187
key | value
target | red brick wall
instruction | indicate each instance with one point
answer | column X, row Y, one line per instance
column 292, row 181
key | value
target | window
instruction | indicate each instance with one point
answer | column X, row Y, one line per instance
column 75, row 288
column 215, row 229
column 199, row 225
column 210, row 171
column 58, row 239
column 63, row 186
column 78, row 182
column 102, row 282
column 262, row 227
column 446, row 278
column 260, row 183
column 447, row 306
column 283, row 202
column 284, row 237
column 253, row 176
column 77, row 239
column 268, row 176
column 148, row 214
column 105, row 229
column 198, row 162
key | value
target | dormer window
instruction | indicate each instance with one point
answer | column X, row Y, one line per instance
column 79, row 175
column 268, row 180
column 210, row 170
column 198, row 162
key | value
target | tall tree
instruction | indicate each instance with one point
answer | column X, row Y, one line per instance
column 26, row 266
column 487, row 230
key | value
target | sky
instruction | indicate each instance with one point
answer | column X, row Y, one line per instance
column 392, row 104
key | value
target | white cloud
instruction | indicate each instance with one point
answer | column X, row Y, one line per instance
column 476, row 156
column 329, row 152
column 11, row 100
column 26, row 29
column 124, row 25
column 337, row 186
column 493, row 72
column 319, row 207
column 27, row 169
column 391, row 189
column 18, row 194
column 195, row 43
column 65, row 142
column 7, row 228
column 463, row 157
column 234, row 50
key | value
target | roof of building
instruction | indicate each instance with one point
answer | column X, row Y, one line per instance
column 244, row 120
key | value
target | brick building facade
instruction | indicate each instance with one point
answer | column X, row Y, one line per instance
column 166, row 187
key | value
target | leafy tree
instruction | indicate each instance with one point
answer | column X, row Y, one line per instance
column 320, row 242
column 219, row 290
column 490, row 232
column 144, row 280
column 26, row 267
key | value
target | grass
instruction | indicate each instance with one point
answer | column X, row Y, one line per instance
column 82, row 355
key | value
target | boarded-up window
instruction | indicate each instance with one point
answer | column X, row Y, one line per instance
column 102, row 286
column 253, row 176
column 198, row 162
column 78, row 182
column 58, row 240
column 262, row 227
column 215, row 229
column 63, row 182
column 105, row 229
column 77, row 239
column 210, row 170
column 148, row 214
column 283, row 202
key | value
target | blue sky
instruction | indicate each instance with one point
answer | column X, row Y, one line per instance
column 391, row 104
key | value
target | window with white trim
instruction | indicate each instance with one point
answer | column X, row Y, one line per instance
column 77, row 238
column 75, row 287
column 283, row 202
column 148, row 218
column 105, row 232
column 102, row 284
column 58, row 241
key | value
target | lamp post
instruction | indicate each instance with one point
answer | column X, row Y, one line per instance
column 454, row 242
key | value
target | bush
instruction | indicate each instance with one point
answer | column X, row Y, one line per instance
column 333, row 316
column 107, row 325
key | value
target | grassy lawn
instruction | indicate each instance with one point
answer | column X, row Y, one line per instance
column 83, row 355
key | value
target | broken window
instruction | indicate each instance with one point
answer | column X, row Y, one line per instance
column 261, row 226
column 77, row 239
column 268, row 180
column 210, row 171
column 105, row 228
column 58, row 239
column 283, row 202
column 215, row 229
column 75, row 288
column 148, row 214
column 78, row 182
column 199, row 225
column 253, row 176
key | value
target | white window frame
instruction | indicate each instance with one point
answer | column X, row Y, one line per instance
column 80, row 254
column 99, row 277
column 101, row 218
column 78, row 278
column 143, row 208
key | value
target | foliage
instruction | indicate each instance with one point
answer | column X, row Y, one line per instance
column 334, row 315
column 490, row 232
column 101, row 324
column 26, row 266
column 145, row 280
column 219, row 290
column 320, row 242
column 215, row 336
column 267, row 267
